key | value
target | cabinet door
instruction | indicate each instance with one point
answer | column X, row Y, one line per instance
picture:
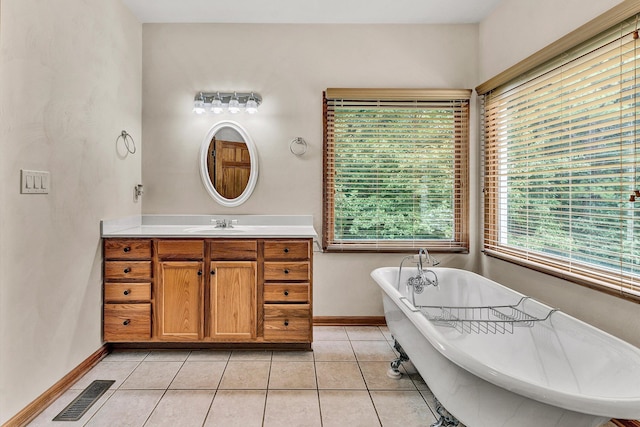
column 180, row 300
column 233, row 300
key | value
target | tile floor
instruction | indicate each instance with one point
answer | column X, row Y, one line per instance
column 342, row 382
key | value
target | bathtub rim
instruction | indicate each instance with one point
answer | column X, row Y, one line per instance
column 600, row 405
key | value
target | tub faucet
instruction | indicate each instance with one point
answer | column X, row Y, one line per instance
column 418, row 282
column 421, row 280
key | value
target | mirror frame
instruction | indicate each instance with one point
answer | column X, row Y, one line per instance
column 204, row 173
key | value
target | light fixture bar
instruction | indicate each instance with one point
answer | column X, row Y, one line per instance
column 218, row 102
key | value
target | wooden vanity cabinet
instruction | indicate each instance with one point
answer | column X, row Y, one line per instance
column 217, row 290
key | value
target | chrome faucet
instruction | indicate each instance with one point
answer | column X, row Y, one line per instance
column 224, row 223
column 420, row 281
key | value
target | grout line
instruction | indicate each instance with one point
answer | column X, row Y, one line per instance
column 166, row 389
column 155, row 407
column 266, row 392
column 315, row 372
column 215, row 393
column 367, row 388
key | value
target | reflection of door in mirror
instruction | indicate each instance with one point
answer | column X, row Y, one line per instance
column 229, row 167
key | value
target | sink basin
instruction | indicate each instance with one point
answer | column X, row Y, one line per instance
column 214, row 229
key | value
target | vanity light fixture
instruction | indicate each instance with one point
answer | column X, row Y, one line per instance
column 232, row 102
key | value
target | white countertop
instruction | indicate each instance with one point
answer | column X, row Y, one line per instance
column 245, row 226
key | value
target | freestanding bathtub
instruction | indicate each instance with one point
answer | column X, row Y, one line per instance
column 555, row 372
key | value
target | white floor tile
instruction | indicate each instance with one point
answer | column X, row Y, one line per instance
column 237, row 408
column 152, row 375
column 184, row 408
column 126, row 408
column 292, row 408
column 351, row 408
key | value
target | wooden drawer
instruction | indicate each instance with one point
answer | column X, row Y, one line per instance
column 180, row 249
column 127, row 269
column 127, row 249
column 287, row 249
column 127, row 322
column 283, row 271
column 286, row 292
column 127, row 292
column 287, row 322
column 233, row 249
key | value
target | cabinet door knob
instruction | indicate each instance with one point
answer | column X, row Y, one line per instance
column 127, row 270
column 199, row 272
column 213, row 272
column 126, row 322
column 286, row 323
column 286, row 293
column 286, row 250
column 127, row 292
column 127, row 249
column 286, row 271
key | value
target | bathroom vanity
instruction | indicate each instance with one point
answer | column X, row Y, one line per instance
column 189, row 279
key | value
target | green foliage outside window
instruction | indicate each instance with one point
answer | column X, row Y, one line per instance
column 394, row 174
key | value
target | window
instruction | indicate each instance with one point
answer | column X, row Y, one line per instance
column 560, row 154
column 395, row 169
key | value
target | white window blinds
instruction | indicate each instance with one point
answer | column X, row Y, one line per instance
column 561, row 151
column 395, row 169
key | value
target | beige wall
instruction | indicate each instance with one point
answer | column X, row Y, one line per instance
column 290, row 66
column 70, row 76
column 503, row 42
column 517, row 29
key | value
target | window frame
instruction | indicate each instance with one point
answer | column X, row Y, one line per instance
column 460, row 181
column 587, row 273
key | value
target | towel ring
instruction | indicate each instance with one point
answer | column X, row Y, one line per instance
column 298, row 146
column 128, row 141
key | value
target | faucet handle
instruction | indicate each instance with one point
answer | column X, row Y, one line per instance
column 231, row 223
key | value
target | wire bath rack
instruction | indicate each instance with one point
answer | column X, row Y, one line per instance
column 496, row 319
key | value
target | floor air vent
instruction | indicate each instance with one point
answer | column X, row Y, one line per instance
column 90, row 395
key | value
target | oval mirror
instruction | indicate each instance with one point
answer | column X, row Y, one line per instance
column 228, row 163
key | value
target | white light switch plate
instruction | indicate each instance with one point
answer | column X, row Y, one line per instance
column 34, row 182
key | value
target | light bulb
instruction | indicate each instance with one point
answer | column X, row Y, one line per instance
column 216, row 106
column 198, row 106
column 234, row 105
column 252, row 106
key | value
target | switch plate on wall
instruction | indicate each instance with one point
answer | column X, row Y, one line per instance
column 34, row 182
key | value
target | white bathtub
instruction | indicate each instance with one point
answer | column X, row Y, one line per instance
column 560, row 372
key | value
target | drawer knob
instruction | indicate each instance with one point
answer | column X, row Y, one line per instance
column 199, row 272
column 286, row 271
column 127, row 270
column 126, row 322
column 286, row 250
column 127, row 292
column 286, row 293
column 286, row 323
column 127, row 249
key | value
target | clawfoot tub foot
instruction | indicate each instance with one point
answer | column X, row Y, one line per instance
column 446, row 419
column 394, row 369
